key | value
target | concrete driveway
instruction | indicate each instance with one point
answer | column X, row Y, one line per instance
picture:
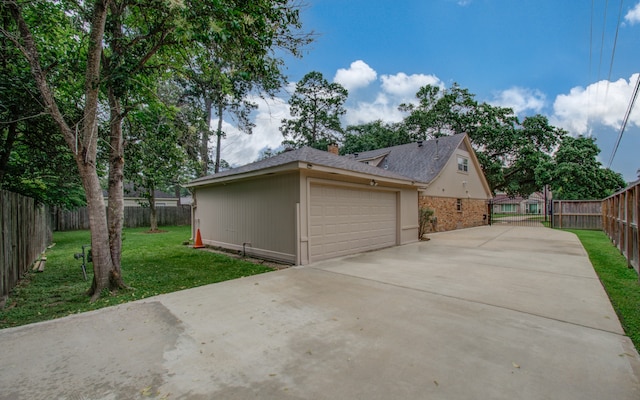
column 496, row 312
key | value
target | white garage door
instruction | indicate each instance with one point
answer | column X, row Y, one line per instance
column 347, row 221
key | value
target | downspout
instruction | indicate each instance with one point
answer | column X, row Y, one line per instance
column 194, row 207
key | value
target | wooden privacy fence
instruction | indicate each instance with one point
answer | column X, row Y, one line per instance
column 577, row 214
column 134, row 217
column 26, row 232
column 620, row 214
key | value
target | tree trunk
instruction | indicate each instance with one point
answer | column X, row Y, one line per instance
column 176, row 191
column 115, row 213
column 100, row 251
column 204, row 141
column 218, row 139
column 7, row 146
column 152, row 210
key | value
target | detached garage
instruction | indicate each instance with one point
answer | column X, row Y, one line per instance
column 305, row 205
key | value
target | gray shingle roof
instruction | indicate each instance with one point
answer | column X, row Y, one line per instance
column 419, row 163
column 407, row 162
column 307, row 155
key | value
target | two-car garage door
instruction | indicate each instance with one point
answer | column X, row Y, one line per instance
column 345, row 220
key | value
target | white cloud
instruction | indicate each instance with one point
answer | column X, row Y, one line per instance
column 382, row 108
column 396, row 89
column 633, row 16
column 239, row 148
column 520, row 99
column 406, row 86
column 598, row 104
column 358, row 75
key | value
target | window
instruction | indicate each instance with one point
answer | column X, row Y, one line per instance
column 463, row 164
column 508, row 208
column 459, row 205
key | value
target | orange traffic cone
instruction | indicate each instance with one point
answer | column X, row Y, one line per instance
column 198, row 244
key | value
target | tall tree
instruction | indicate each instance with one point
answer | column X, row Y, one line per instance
column 316, row 107
column 134, row 35
column 512, row 152
column 221, row 79
column 82, row 136
column 138, row 36
column 216, row 86
column 576, row 173
column 154, row 158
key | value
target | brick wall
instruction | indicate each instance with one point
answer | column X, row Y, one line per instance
column 474, row 212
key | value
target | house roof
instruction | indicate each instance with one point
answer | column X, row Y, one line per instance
column 308, row 155
column 421, row 161
column 503, row 198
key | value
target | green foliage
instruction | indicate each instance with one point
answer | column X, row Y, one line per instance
column 512, row 153
column 439, row 112
column 34, row 159
column 152, row 264
column 265, row 153
column 316, row 107
column 39, row 165
column 576, row 173
column 620, row 282
column 372, row 136
column 424, row 217
column 155, row 161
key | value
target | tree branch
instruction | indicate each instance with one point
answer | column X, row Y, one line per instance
column 29, row 50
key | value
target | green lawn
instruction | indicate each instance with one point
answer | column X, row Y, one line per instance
column 151, row 264
column 620, row 282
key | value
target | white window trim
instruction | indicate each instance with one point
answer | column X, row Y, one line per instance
column 464, row 164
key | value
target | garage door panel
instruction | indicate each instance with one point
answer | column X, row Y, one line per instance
column 347, row 220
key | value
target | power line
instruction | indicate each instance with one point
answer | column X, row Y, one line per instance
column 591, row 41
column 625, row 120
column 604, row 29
column 590, row 64
column 613, row 51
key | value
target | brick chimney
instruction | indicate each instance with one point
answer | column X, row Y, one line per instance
column 333, row 148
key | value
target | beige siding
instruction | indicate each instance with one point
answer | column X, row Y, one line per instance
column 408, row 216
column 455, row 184
column 259, row 212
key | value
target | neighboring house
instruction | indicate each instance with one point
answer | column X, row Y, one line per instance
column 307, row 205
column 133, row 198
column 534, row 204
column 455, row 189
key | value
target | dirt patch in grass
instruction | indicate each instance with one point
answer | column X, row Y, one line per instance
column 155, row 231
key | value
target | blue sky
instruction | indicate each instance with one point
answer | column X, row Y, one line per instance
column 536, row 56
